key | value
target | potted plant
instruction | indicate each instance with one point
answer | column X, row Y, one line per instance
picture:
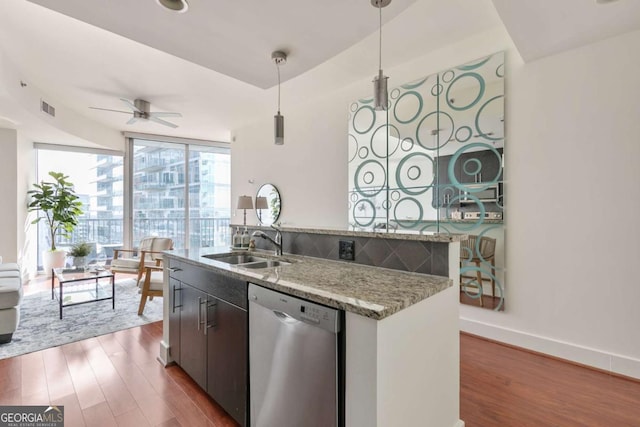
column 79, row 252
column 61, row 210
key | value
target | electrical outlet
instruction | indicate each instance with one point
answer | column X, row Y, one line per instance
column 346, row 250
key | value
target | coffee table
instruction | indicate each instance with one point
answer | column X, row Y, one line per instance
column 77, row 286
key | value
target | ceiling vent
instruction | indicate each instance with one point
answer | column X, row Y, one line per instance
column 49, row 109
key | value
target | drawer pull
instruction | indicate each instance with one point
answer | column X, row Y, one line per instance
column 200, row 312
column 174, row 306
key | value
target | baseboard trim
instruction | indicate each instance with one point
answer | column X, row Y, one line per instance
column 590, row 357
column 459, row 423
column 164, row 355
column 6, row 338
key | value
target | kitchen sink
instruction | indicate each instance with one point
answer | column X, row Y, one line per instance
column 235, row 258
column 247, row 260
column 265, row 264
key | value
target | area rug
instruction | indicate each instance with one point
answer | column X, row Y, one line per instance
column 41, row 327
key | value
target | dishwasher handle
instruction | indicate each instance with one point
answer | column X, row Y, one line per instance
column 284, row 317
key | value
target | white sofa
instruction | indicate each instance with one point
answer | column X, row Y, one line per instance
column 10, row 298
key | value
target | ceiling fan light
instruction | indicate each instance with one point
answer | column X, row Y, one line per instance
column 179, row 6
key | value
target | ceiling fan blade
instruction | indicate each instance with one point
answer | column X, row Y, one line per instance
column 163, row 114
column 162, row 122
column 130, row 105
column 132, row 120
column 108, row 109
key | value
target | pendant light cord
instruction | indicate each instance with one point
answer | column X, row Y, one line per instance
column 380, row 42
column 278, row 67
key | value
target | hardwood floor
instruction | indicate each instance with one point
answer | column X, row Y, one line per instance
column 111, row 380
column 504, row 386
column 115, row 380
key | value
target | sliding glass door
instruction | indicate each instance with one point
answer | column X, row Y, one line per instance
column 97, row 176
column 180, row 191
column 209, row 196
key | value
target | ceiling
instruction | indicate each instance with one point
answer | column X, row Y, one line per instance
column 544, row 27
column 212, row 63
column 234, row 37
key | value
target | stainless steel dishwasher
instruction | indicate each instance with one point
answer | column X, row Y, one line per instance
column 295, row 362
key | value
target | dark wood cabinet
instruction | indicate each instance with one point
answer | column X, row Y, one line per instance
column 479, row 166
column 476, row 167
column 193, row 344
column 208, row 325
column 175, row 303
column 226, row 372
column 444, row 192
column 491, row 165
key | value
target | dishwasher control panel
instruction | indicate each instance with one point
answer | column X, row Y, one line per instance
column 314, row 314
column 295, row 308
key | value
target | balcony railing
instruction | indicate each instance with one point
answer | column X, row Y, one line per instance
column 108, row 233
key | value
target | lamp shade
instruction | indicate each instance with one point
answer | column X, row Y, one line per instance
column 245, row 202
column 380, row 94
column 278, row 128
column 261, row 203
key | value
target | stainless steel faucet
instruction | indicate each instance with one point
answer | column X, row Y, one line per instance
column 277, row 242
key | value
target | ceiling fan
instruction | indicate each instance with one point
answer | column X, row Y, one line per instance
column 141, row 111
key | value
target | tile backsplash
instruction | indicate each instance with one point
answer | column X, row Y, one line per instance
column 406, row 255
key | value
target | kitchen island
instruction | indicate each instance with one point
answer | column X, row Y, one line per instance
column 401, row 330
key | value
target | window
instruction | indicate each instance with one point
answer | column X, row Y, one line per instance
column 97, row 176
column 194, row 213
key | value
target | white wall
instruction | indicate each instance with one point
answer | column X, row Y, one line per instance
column 22, row 104
column 571, row 165
column 27, row 232
column 16, row 175
column 9, row 195
column 309, row 170
column 572, row 183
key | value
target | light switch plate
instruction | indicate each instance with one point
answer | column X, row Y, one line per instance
column 346, row 250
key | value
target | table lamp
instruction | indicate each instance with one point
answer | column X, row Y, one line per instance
column 261, row 203
column 245, row 202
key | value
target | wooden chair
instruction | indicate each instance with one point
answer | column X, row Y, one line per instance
column 150, row 250
column 478, row 253
column 151, row 286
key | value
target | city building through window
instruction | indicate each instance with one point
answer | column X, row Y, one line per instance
column 177, row 190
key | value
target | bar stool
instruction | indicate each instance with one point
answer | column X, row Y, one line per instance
column 484, row 252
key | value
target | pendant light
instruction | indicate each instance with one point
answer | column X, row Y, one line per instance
column 279, row 58
column 380, row 96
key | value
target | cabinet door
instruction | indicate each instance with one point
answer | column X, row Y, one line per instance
column 227, row 357
column 468, row 168
column 193, row 345
column 491, row 165
column 444, row 193
column 482, row 166
column 175, row 307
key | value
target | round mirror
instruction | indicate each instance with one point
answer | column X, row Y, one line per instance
column 268, row 204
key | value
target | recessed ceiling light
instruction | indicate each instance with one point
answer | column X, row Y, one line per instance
column 179, row 6
column 605, row 1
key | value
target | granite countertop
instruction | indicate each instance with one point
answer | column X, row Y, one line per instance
column 372, row 292
column 381, row 234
